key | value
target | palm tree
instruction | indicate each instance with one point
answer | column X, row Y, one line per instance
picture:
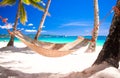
column 109, row 56
column 92, row 44
column 42, row 20
column 111, row 49
column 21, row 13
column 110, row 53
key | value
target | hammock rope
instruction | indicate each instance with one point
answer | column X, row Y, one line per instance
column 56, row 50
column 48, row 52
column 103, row 19
column 71, row 47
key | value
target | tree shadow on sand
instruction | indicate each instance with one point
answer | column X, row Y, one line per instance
column 15, row 49
column 7, row 73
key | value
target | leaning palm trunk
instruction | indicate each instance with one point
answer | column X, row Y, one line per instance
column 92, row 45
column 111, row 49
column 11, row 42
column 110, row 53
column 42, row 21
column 109, row 56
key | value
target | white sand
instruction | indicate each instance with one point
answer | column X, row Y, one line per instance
column 109, row 72
column 27, row 61
column 30, row 62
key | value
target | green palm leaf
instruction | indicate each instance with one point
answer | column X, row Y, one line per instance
column 35, row 4
column 7, row 2
column 23, row 16
column 36, row 0
column 29, row 1
column 26, row 1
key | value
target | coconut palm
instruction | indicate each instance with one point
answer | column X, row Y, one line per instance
column 111, row 48
column 42, row 20
column 110, row 53
column 92, row 45
column 21, row 13
column 109, row 56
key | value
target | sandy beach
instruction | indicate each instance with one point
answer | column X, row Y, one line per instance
column 22, row 59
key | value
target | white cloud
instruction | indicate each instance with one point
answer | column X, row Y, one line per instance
column 33, row 31
column 44, row 31
column 30, row 24
column 43, row 26
column 100, row 32
column 30, row 30
column 33, row 27
column 18, row 28
column 22, row 29
column 14, row 23
column 88, row 32
column 104, row 32
column 8, row 26
column 77, row 24
column 42, row 3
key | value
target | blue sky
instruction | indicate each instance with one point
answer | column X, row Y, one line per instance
column 68, row 17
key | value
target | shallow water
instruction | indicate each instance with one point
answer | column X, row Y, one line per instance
column 56, row 39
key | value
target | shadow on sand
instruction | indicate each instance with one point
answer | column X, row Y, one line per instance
column 15, row 49
column 7, row 73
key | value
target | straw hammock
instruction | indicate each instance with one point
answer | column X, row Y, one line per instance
column 51, row 49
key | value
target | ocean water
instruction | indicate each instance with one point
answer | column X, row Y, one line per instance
column 55, row 39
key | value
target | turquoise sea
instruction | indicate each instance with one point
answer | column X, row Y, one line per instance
column 55, row 39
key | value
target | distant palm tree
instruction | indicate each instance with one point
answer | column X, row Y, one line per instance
column 42, row 20
column 21, row 13
column 92, row 46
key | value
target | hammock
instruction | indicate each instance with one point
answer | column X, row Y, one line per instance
column 51, row 49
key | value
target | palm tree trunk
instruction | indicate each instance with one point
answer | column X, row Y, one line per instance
column 11, row 42
column 92, row 45
column 111, row 49
column 110, row 53
column 42, row 21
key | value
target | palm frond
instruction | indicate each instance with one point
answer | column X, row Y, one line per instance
column 36, row 0
column 23, row 15
column 7, row 2
column 35, row 4
column 26, row 1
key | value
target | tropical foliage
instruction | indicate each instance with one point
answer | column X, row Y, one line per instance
column 22, row 14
